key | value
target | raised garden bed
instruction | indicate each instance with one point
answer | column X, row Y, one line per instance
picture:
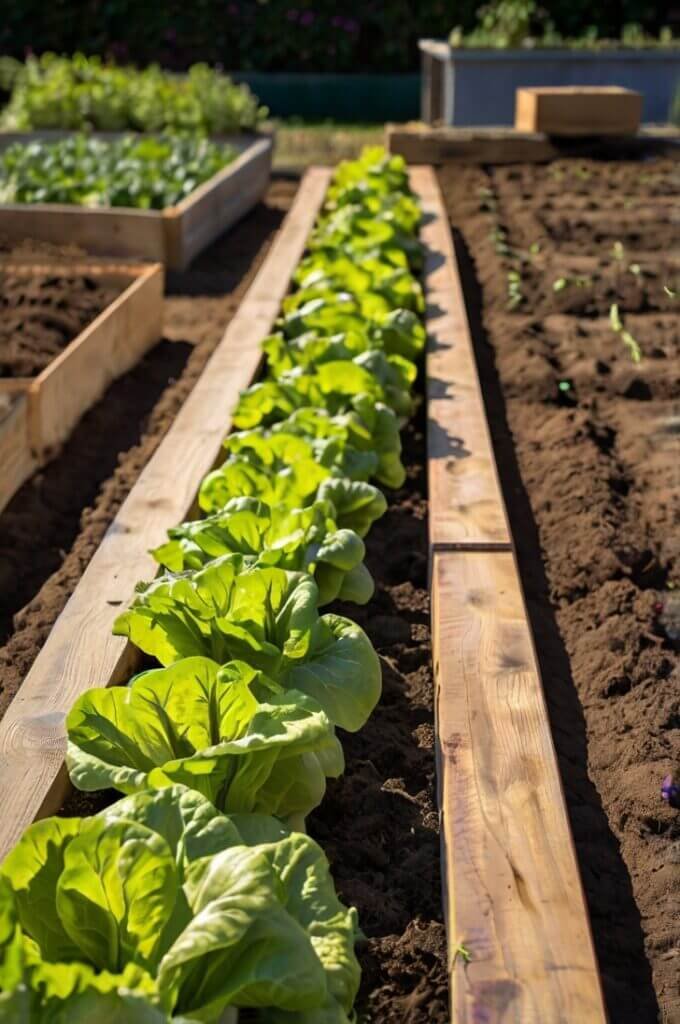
column 405, row 955
column 69, row 330
column 173, row 236
column 586, row 437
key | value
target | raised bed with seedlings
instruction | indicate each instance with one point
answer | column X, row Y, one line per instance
column 162, row 198
column 68, row 330
column 572, row 284
column 253, row 679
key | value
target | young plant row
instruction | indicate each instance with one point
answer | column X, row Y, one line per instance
column 89, row 94
column 199, row 890
column 149, row 173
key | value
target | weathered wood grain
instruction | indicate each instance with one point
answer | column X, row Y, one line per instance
column 465, row 502
column 520, row 947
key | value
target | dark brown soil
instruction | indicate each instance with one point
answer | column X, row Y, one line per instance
column 40, row 315
column 379, row 823
column 588, row 448
column 53, row 525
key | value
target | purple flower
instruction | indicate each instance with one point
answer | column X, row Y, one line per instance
column 307, row 18
column 170, row 35
column 670, row 791
column 337, row 21
column 351, row 25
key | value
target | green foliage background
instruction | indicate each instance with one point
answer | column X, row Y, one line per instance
column 277, row 35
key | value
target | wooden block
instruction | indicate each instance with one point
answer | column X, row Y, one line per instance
column 465, row 502
column 80, row 651
column 578, row 110
column 513, row 898
column 173, row 236
column 16, row 460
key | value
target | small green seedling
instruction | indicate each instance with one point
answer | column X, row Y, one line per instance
column 627, row 338
column 463, row 952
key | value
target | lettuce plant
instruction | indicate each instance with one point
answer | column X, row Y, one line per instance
column 160, row 909
column 355, row 504
column 266, row 617
column 370, row 429
column 277, row 449
column 300, row 540
column 228, row 732
column 335, row 386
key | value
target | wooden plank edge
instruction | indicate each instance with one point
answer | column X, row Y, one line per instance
column 80, row 650
column 18, row 464
column 420, row 144
column 466, row 506
column 518, row 933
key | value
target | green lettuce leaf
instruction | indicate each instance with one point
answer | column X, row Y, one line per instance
column 267, row 617
column 299, row 540
column 193, row 915
column 297, row 486
column 203, row 726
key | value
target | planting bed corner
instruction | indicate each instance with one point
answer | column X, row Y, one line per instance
column 41, row 409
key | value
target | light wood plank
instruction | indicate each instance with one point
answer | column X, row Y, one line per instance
column 16, row 461
column 423, row 144
column 80, row 651
column 513, row 896
column 465, row 502
column 574, row 110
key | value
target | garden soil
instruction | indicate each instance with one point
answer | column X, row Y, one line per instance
column 587, row 439
column 40, row 314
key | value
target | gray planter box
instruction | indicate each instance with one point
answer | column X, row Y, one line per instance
column 477, row 87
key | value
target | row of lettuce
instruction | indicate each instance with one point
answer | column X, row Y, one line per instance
column 198, row 890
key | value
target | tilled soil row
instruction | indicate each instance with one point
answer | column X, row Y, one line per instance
column 587, row 447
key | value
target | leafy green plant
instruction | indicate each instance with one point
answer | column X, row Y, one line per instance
column 627, row 338
column 299, row 540
column 517, row 24
column 148, row 173
column 266, row 617
column 82, row 92
column 228, row 732
column 160, row 908
column 354, row 504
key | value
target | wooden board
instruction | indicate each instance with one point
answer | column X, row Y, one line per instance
column 513, row 898
column 17, row 463
column 80, row 651
column 172, row 236
column 574, row 110
column 465, row 502
column 422, row 144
